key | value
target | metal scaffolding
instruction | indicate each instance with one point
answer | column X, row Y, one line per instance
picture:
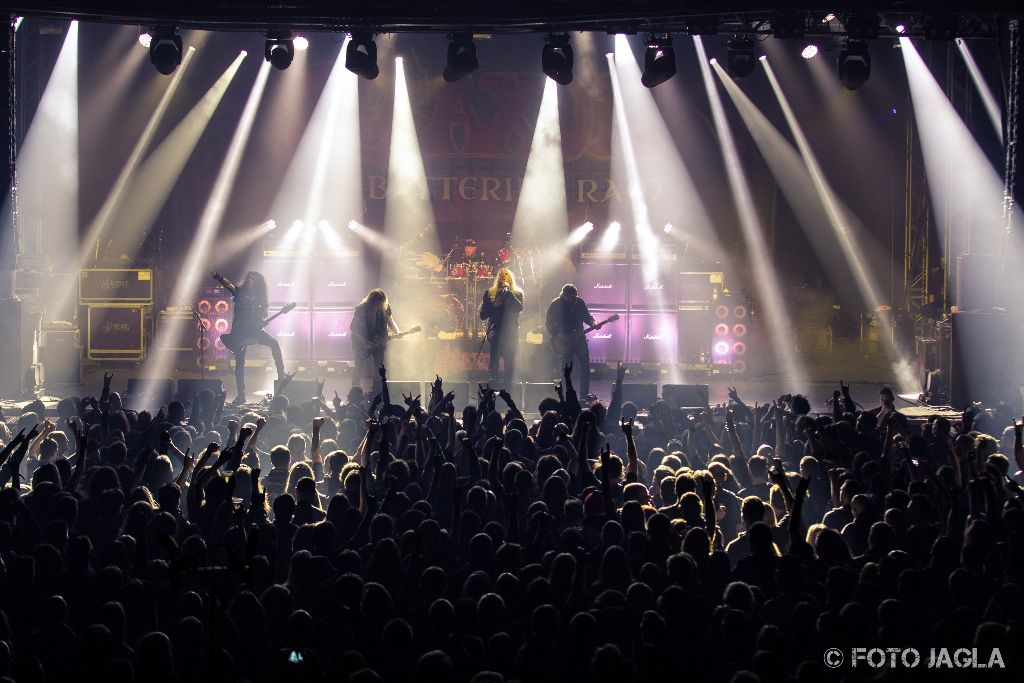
column 1012, row 116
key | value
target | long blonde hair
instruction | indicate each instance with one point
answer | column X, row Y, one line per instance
column 493, row 291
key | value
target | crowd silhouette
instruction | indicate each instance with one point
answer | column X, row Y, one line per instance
column 380, row 540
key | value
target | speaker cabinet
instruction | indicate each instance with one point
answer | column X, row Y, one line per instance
column 985, row 365
column 685, row 395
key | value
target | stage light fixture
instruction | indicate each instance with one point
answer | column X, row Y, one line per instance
column 809, row 52
column 461, row 59
column 739, row 59
column 940, row 27
column 361, row 55
column 787, row 25
column 279, row 49
column 862, row 25
column 854, row 64
column 659, row 60
column 301, row 43
column 901, row 29
column 145, row 40
column 669, row 228
column 556, row 59
column 165, row 49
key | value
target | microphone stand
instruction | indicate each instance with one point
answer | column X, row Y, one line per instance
column 203, row 330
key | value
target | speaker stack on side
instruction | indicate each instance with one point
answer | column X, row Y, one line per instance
column 732, row 320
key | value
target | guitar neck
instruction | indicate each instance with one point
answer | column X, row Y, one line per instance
column 596, row 325
column 274, row 317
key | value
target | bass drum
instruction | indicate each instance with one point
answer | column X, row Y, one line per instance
column 447, row 315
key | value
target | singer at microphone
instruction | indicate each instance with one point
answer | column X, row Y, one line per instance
column 501, row 305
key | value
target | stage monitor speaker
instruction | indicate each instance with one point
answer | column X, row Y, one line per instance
column 983, row 366
column 187, row 388
column 534, row 393
column 685, row 395
column 643, row 395
column 298, row 391
column 148, row 394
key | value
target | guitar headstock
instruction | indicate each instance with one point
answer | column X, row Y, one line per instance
column 613, row 318
column 288, row 308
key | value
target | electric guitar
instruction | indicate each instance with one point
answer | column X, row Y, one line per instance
column 565, row 342
column 373, row 346
column 234, row 342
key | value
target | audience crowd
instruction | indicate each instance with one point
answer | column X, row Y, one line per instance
column 399, row 539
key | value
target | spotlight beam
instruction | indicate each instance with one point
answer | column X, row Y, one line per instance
column 842, row 230
column 47, row 164
column 540, row 217
column 155, row 179
column 90, row 242
column 767, row 283
column 637, row 201
column 195, row 262
column 984, row 91
column 408, row 212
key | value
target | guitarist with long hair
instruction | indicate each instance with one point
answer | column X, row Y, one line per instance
column 372, row 320
column 565, row 319
column 248, row 319
column 501, row 306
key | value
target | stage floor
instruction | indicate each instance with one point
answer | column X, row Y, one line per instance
column 751, row 391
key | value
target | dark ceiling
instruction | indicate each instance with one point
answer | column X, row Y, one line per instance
column 978, row 18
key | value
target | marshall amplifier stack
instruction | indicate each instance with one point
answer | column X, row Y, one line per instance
column 667, row 316
column 116, row 303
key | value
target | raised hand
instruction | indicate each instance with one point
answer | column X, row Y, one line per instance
column 734, row 395
column 627, row 427
column 410, row 401
column 484, row 391
column 506, row 397
column 383, row 372
column 318, row 423
column 107, row 377
column 567, row 370
column 449, row 397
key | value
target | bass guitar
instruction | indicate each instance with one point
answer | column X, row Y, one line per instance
column 565, row 343
column 370, row 348
column 234, row 341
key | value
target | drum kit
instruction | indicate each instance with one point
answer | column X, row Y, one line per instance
column 455, row 282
